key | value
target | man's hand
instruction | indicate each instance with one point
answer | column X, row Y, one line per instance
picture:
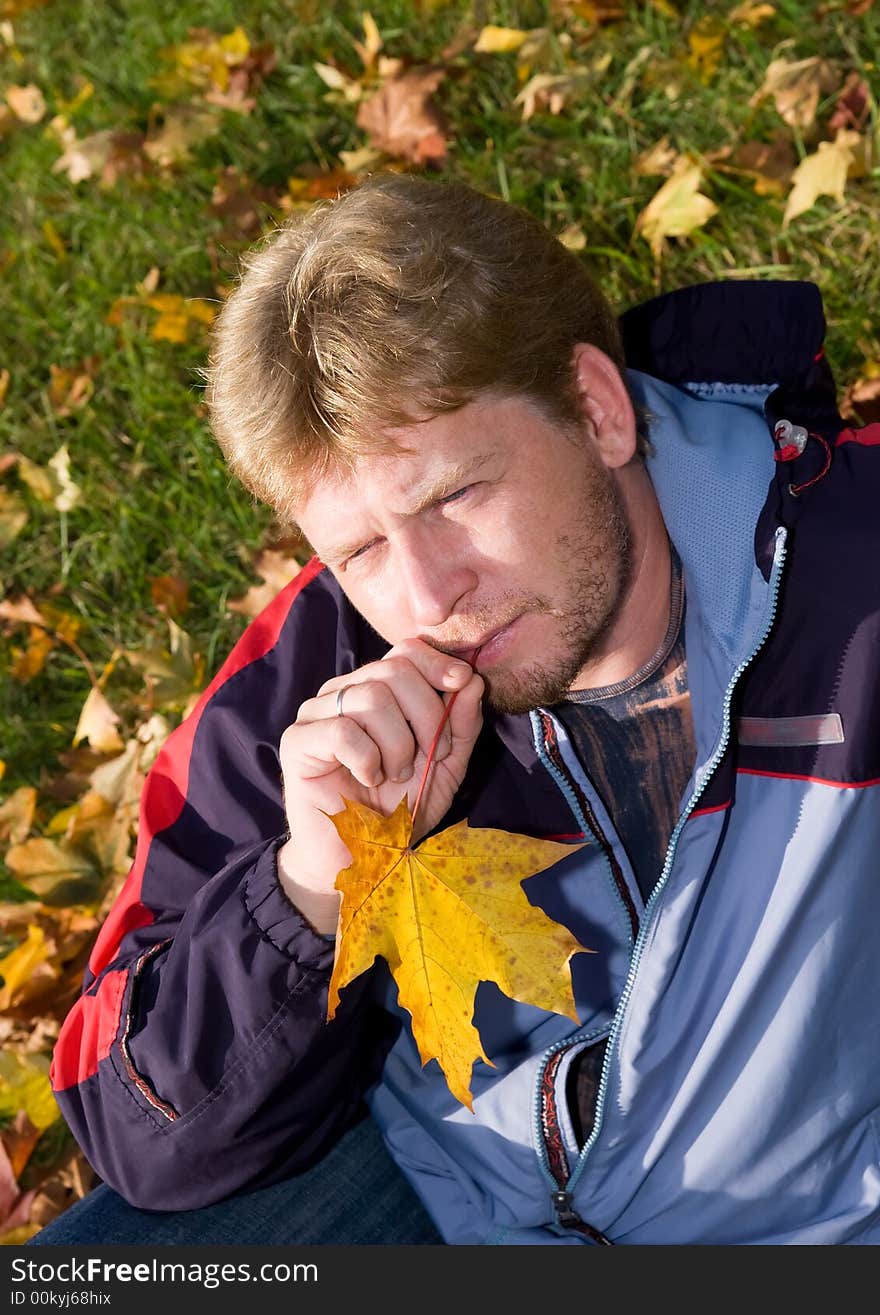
column 373, row 753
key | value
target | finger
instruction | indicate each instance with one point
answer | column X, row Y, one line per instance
column 417, row 698
column 313, row 749
column 439, row 669
column 374, row 706
column 466, row 717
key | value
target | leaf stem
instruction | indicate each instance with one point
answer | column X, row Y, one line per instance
column 429, row 762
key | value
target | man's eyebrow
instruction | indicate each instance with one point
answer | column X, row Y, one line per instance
column 424, row 496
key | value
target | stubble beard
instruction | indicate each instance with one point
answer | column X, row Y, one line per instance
column 601, row 544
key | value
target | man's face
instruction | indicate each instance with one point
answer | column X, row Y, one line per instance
column 500, row 530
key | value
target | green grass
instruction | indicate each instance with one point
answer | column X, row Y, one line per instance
column 156, row 497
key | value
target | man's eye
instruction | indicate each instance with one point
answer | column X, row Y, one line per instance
column 452, row 497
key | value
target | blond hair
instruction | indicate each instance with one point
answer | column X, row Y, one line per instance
column 401, row 299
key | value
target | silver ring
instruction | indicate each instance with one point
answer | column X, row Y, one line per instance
column 339, row 695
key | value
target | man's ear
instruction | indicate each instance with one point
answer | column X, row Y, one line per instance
column 605, row 404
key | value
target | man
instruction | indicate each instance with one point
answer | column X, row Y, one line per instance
column 664, row 649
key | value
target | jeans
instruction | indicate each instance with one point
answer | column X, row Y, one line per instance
column 356, row 1195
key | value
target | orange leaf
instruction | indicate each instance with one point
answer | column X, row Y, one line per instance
column 447, row 915
column 401, row 120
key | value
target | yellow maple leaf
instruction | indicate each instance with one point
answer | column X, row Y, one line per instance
column 21, row 964
column 821, row 174
column 499, row 40
column 677, row 209
column 446, row 915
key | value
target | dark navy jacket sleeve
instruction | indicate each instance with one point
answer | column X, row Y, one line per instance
column 198, row 1061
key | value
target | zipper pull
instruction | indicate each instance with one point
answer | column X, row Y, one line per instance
column 568, row 1217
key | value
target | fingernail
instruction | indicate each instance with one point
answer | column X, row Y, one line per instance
column 452, row 676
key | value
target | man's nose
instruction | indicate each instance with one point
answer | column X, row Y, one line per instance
column 434, row 580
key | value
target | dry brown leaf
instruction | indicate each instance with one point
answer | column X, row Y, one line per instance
column 56, row 873
column 17, row 814
column 276, row 571
column 242, row 204
column 97, row 724
column 821, row 174
column 20, row 1137
column 182, row 128
column 677, row 209
column 751, row 15
column 21, row 611
column 4, row 389
column 372, row 43
column 853, row 105
column 659, row 161
column 447, row 914
column 401, row 119
column 551, row 92
column 770, row 164
column 13, row 516
column 15, row 1205
column 861, row 401
column 71, row 387
column 26, row 103
column 170, row 594
column 796, row 87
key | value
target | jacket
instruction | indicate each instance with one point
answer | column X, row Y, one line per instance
column 739, row 1099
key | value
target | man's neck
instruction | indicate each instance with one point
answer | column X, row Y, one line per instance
column 642, row 618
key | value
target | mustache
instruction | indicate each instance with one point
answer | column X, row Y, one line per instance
column 474, row 626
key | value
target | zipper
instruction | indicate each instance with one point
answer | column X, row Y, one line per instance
column 779, row 556
column 561, row 1193
column 552, row 1157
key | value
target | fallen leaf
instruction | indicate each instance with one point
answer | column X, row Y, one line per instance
column 170, row 594
column 706, row 46
column 14, row 1204
column 770, row 164
column 751, row 15
column 853, row 105
column 550, row 91
column 97, row 724
column 182, row 128
column 67, row 493
column 21, row 611
column 677, row 209
column 53, row 871
column 173, row 671
column 821, row 174
column 796, row 87
column 178, row 315
column 24, row 1085
column 349, row 90
column 241, row 203
column 26, row 103
column 13, row 516
column 17, row 814
column 372, row 43
column 401, row 119
column 20, row 1137
column 499, row 40
column 53, row 237
column 446, row 915
column 29, row 662
column 105, row 154
column 573, row 237
column 861, row 401
column 276, row 571
column 71, row 387
column 28, row 961
column 660, row 160
column 4, row 386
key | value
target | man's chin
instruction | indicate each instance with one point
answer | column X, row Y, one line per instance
column 517, row 692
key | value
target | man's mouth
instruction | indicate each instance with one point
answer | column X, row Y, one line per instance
column 481, row 651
